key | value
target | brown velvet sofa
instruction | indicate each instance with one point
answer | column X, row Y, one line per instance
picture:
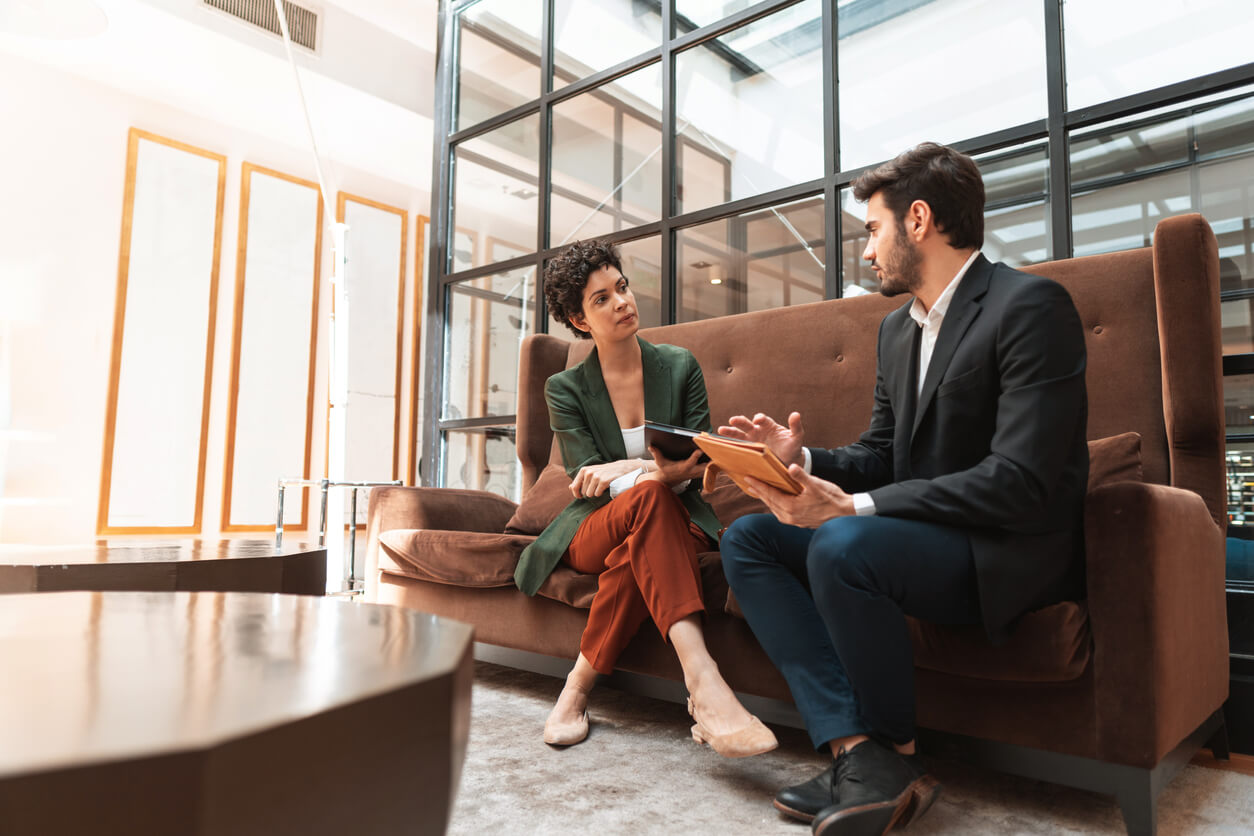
column 1112, row 694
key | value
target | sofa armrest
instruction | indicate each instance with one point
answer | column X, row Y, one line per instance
column 442, row 509
column 1155, row 562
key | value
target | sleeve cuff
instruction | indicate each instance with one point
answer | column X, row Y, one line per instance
column 808, row 463
column 625, row 481
column 863, row 505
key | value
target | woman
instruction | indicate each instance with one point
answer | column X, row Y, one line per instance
column 637, row 522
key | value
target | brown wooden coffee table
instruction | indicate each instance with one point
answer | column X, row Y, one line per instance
column 228, row 713
column 189, row 565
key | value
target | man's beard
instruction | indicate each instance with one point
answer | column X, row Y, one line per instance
column 900, row 274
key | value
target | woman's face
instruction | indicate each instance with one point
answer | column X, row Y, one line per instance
column 609, row 308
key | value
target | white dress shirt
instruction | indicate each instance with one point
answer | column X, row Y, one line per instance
column 930, row 321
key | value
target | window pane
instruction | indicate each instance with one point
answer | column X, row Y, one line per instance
column 642, row 265
column 607, row 158
column 1227, row 197
column 691, row 14
column 1225, row 129
column 591, row 35
column 1129, row 176
column 494, row 193
column 1120, row 47
column 498, row 67
column 486, row 320
column 882, row 63
column 750, row 110
column 1016, row 184
column 758, row 260
column 483, row 460
column 1237, row 326
column 1123, row 150
column 1123, row 216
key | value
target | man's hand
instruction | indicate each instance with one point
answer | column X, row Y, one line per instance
column 673, row 471
column 594, row 479
column 818, row 502
column 785, row 442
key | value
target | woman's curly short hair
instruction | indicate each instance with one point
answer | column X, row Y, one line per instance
column 566, row 276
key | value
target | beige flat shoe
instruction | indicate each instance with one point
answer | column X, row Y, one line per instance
column 747, row 741
column 566, row 734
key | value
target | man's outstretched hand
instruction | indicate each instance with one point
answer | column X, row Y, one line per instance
column 785, row 442
column 818, row 502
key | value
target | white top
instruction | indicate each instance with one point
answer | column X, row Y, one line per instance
column 633, row 443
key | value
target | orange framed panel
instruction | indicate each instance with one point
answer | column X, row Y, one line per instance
column 341, row 200
column 134, row 137
column 246, row 173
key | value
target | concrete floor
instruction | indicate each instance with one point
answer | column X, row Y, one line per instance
column 639, row 772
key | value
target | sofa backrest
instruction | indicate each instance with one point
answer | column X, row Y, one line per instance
column 1151, row 320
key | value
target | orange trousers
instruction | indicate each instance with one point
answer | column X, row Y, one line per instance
column 644, row 547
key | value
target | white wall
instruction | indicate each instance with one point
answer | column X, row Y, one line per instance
column 62, row 166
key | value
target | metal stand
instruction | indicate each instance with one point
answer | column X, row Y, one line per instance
column 351, row 581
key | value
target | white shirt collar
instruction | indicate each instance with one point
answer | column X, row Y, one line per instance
column 941, row 305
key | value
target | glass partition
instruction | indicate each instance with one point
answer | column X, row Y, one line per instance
column 749, row 109
column 766, row 259
column 1119, row 47
column 495, row 186
column 483, row 459
column 498, row 58
column 488, row 319
column 606, row 158
column 591, row 35
column 891, row 97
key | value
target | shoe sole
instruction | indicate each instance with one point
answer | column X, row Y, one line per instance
column 878, row 819
column 796, row 814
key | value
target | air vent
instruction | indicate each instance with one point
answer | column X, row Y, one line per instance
column 302, row 23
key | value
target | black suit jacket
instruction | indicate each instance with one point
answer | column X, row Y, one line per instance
column 994, row 443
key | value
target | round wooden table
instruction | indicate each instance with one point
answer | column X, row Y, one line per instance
column 228, row 713
column 191, row 565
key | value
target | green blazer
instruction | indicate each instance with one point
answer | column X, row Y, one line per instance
column 582, row 417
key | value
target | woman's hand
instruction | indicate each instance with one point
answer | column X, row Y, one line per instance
column 594, row 479
column 785, row 442
column 673, row 471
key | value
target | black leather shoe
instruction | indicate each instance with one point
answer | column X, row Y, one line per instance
column 878, row 789
column 802, row 801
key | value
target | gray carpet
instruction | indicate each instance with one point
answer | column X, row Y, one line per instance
column 640, row 772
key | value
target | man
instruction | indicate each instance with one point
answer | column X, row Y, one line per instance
column 962, row 503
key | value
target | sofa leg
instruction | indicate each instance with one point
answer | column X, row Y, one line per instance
column 1218, row 742
column 1139, row 803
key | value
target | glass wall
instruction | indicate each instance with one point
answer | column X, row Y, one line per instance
column 717, row 149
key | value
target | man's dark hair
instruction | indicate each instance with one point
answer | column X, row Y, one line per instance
column 566, row 276
column 946, row 180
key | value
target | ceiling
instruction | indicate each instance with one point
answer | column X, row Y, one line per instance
column 369, row 87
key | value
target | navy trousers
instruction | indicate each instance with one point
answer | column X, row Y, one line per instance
column 829, row 606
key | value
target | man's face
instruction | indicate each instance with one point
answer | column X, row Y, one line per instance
column 893, row 256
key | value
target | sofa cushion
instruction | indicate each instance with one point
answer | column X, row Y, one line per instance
column 459, row 558
column 1116, row 458
column 1052, row 644
column 542, row 502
